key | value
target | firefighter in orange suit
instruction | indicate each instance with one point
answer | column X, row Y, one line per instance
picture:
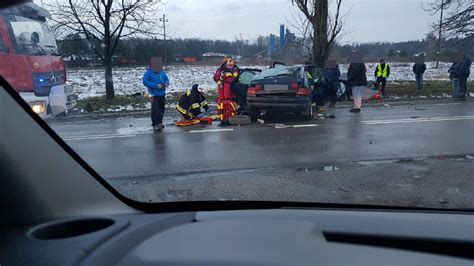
column 226, row 105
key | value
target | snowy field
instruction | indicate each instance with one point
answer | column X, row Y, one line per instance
column 90, row 82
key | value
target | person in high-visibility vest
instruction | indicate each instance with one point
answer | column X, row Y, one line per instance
column 382, row 72
column 191, row 102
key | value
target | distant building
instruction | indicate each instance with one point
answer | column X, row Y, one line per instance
column 185, row 59
column 212, row 54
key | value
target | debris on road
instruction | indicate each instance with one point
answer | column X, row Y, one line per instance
column 261, row 121
column 469, row 157
column 414, row 117
column 443, row 201
column 240, row 120
column 387, row 105
column 330, row 168
column 281, row 126
column 343, row 190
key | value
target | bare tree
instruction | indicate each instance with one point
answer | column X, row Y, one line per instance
column 103, row 23
column 304, row 31
column 459, row 20
column 325, row 28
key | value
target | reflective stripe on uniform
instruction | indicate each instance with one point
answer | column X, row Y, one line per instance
column 188, row 92
column 204, row 103
column 235, row 74
column 228, row 74
column 183, row 111
column 196, row 106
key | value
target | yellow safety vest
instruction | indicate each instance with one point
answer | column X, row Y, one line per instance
column 382, row 73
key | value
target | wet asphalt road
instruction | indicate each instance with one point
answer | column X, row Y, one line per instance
column 403, row 155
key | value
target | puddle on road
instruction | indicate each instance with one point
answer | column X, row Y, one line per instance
column 134, row 130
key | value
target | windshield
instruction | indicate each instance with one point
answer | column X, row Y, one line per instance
column 279, row 72
column 32, row 37
column 353, row 102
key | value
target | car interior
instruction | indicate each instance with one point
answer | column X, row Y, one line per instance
column 56, row 210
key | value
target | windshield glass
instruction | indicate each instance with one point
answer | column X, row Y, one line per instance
column 32, row 37
column 348, row 102
column 279, row 72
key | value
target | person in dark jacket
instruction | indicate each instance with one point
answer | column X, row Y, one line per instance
column 191, row 102
column 419, row 69
column 331, row 75
column 357, row 80
column 382, row 72
column 463, row 71
column 156, row 80
column 454, row 78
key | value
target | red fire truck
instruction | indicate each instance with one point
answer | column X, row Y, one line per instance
column 30, row 61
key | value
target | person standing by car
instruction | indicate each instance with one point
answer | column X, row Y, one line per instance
column 220, row 85
column 464, row 70
column 357, row 80
column 191, row 102
column 227, row 107
column 419, row 69
column 156, row 80
column 331, row 76
column 382, row 72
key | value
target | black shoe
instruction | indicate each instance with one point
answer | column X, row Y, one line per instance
column 355, row 110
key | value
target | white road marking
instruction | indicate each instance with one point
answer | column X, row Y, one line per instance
column 418, row 120
column 443, row 104
column 91, row 137
column 309, row 125
column 212, row 130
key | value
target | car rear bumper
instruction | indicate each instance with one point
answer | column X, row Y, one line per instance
column 281, row 103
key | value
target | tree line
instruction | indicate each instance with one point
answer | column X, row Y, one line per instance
column 138, row 51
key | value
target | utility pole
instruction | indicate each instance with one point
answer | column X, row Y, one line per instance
column 438, row 52
column 164, row 20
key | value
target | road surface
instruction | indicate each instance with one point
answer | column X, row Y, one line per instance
column 417, row 155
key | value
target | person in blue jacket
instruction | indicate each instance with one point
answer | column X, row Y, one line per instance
column 156, row 80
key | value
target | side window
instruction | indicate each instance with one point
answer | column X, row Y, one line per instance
column 246, row 77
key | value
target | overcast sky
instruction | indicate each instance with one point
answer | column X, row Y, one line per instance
column 367, row 20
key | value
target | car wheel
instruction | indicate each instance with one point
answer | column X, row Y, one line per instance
column 254, row 113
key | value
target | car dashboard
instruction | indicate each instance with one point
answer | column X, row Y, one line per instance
column 252, row 237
